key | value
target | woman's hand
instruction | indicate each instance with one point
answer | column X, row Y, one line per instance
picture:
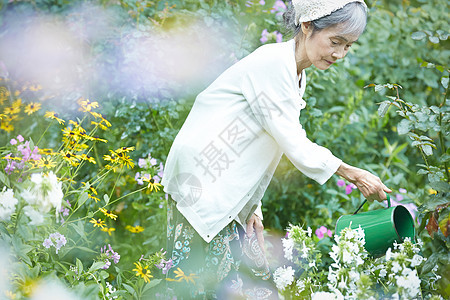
column 370, row 185
column 255, row 224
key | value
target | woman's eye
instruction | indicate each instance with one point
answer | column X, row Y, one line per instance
column 334, row 43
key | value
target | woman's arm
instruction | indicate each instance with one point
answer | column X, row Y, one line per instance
column 370, row 185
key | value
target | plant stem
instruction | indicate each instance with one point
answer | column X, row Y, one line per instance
column 441, row 136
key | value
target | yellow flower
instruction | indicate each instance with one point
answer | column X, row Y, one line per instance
column 10, row 295
column 93, row 197
column 46, row 162
column 54, row 116
column 11, row 110
column 32, row 108
column 143, row 272
column 68, row 132
column 97, row 223
column 70, row 157
column 8, row 127
column 4, row 94
column 182, row 276
column 112, row 158
column 12, row 157
column 432, row 192
column 152, row 184
column 88, row 158
column 35, row 88
column 17, row 104
column 108, row 230
column 125, row 149
column 108, row 213
column 47, row 151
column 77, row 127
column 134, row 229
column 94, row 138
column 87, row 105
column 125, row 160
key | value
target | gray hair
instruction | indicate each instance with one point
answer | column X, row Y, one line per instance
column 353, row 16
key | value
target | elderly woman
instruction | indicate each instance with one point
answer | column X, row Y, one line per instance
column 224, row 156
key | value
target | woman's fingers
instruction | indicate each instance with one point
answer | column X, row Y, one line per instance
column 250, row 226
column 255, row 226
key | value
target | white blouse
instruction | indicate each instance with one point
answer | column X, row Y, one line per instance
column 225, row 154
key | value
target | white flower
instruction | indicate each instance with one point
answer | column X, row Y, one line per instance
column 326, row 296
column 45, row 193
column 312, row 264
column 7, row 203
column 383, row 272
column 110, row 291
column 305, row 250
column 396, row 267
column 346, row 257
column 411, row 283
column 300, row 285
column 388, row 254
column 288, row 246
column 342, row 284
column 309, row 231
column 416, row 260
column 283, row 277
column 36, row 217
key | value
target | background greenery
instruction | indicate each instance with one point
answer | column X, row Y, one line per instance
column 405, row 43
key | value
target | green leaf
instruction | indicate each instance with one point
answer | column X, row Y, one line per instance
column 444, row 82
column 427, row 149
column 4, row 179
column 435, row 201
column 129, row 288
column 434, row 39
column 82, row 198
column 404, row 126
column 418, row 35
column 106, row 198
column 79, row 265
column 151, row 284
column 383, row 108
column 440, row 186
column 85, row 249
column 96, row 265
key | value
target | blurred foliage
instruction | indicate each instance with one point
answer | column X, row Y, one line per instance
column 405, row 42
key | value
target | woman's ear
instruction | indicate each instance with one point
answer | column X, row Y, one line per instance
column 306, row 28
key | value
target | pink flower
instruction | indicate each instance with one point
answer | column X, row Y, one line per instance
column 264, row 36
column 262, row 2
column 20, row 138
column 279, row 7
column 402, row 190
column 279, row 37
column 320, row 232
column 141, row 162
column 399, row 197
column 13, row 142
column 348, row 189
column 340, row 183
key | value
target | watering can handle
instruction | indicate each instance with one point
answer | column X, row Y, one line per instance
column 388, row 198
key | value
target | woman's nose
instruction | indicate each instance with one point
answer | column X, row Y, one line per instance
column 339, row 54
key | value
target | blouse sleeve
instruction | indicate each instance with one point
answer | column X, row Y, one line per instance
column 274, row 99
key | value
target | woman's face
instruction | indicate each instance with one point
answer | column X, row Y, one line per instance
column 325, row 47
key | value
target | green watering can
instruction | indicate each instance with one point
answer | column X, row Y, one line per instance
column 381, row 227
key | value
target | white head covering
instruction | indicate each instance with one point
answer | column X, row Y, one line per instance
column 310, row 10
